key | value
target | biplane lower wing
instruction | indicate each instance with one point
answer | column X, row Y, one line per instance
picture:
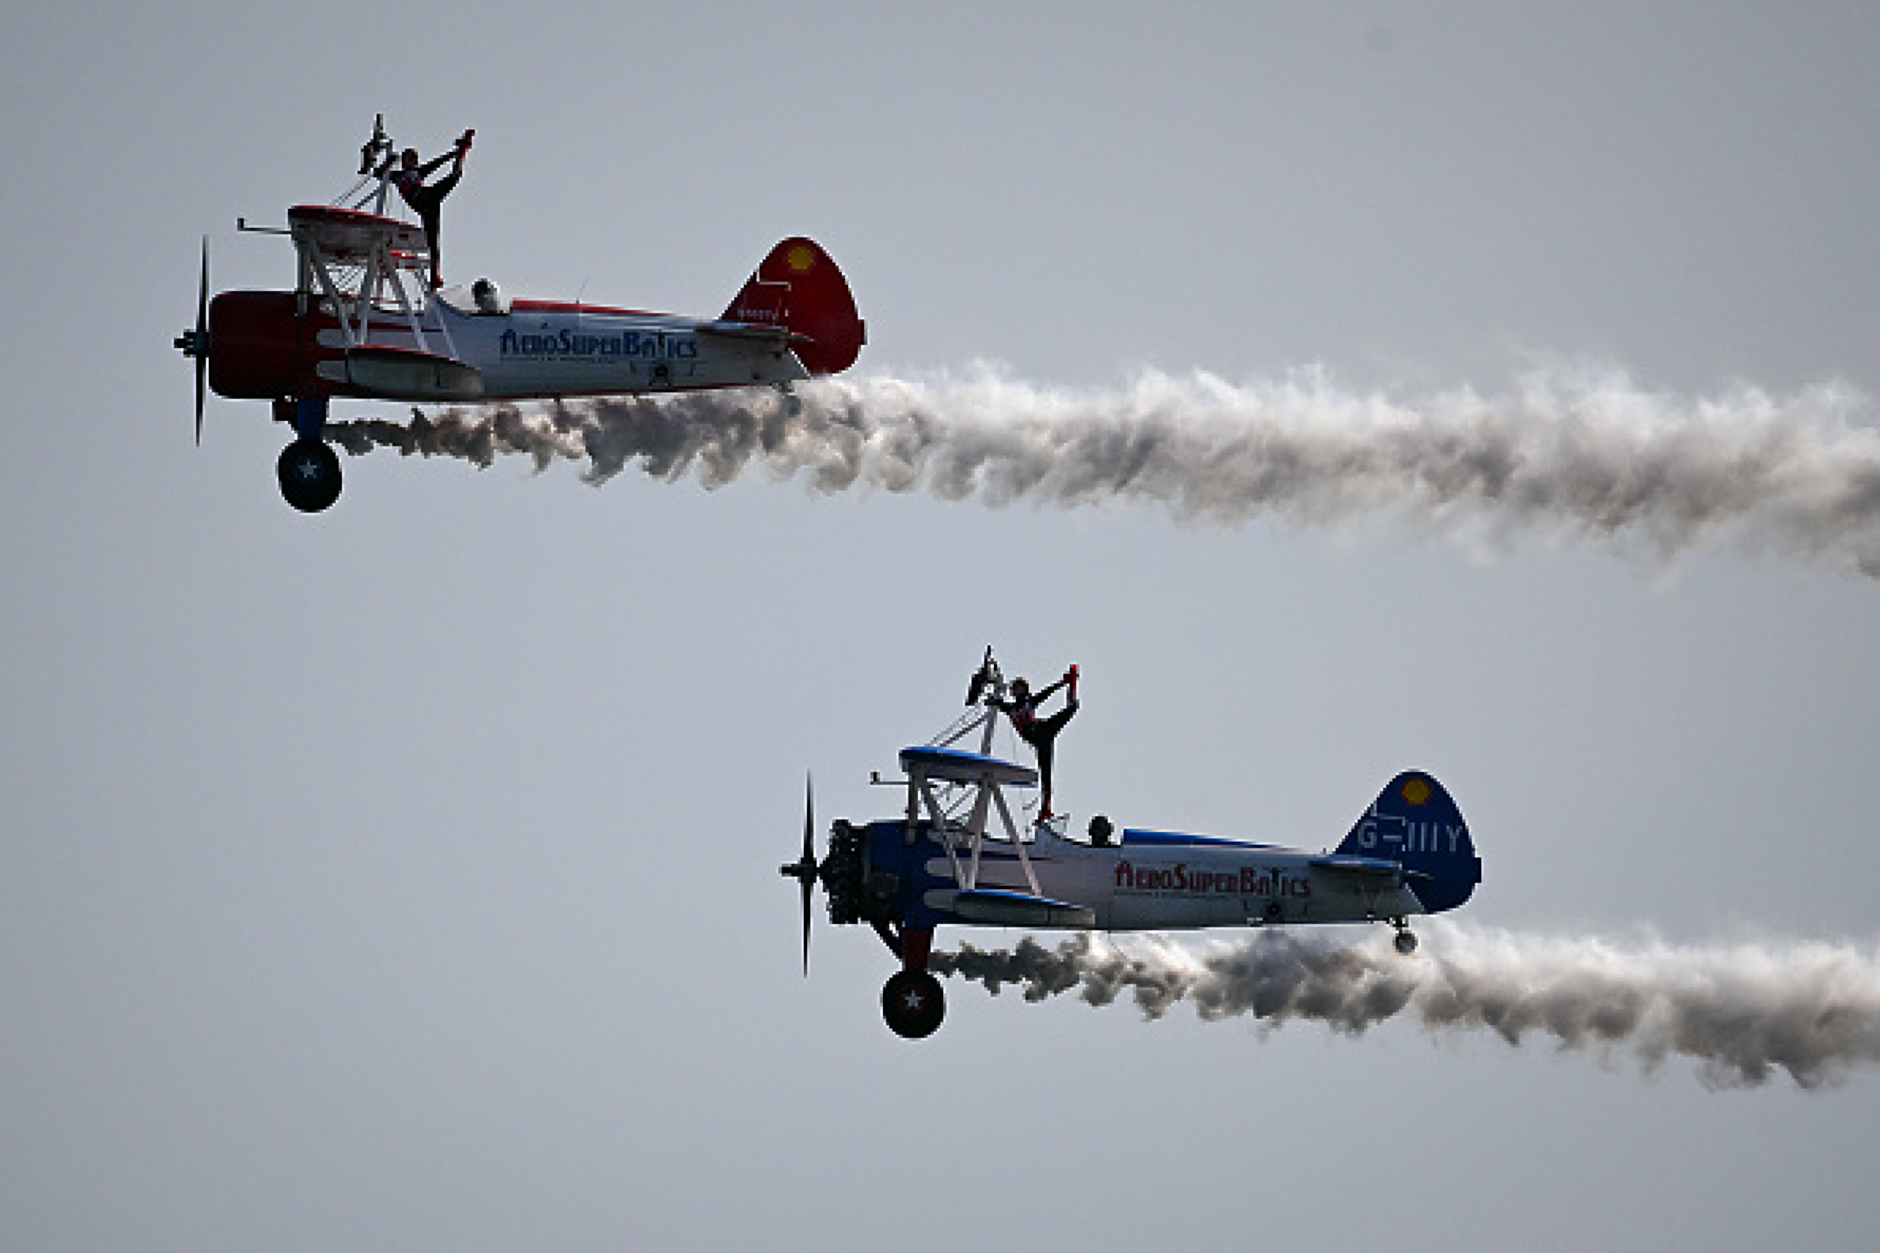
column 990, row 908
column 408, row 374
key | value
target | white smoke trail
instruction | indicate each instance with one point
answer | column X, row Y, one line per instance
column 1573, row 451
column 1742, row 1011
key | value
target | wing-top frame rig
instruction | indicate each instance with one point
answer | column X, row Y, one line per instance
column 945, row 783
column 367, row 270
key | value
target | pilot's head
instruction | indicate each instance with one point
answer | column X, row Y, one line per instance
column 1020, row 688
column 488, row 299
column 410, row 158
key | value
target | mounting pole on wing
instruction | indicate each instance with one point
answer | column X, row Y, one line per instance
column 983, row 692
column 375, row 159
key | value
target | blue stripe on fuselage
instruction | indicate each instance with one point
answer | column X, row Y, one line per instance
column 1174, row 839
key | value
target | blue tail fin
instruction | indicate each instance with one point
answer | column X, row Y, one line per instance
column 1415, row 821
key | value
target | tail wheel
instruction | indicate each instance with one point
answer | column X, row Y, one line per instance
column 1406, row 942
column 913, row 1004
column 309, row 474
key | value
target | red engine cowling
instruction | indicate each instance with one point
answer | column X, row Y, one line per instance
column 258, row 348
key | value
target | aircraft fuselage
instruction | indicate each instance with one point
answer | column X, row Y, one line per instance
column 534, row 349
column 1148, row 881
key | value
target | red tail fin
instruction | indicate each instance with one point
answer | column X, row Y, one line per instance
column 799, row 288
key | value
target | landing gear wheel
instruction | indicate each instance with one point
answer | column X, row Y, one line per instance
column 1406, row 941
column 309, row 474
column 913, row 1004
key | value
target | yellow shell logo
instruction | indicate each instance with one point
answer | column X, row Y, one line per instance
column 801, row 258
column 1416, row 791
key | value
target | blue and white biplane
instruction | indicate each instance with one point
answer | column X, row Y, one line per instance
column 945, row 860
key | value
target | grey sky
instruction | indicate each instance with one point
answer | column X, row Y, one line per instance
column 406, row 877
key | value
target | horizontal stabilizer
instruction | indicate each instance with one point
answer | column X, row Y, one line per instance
column 1362, row 867
column 405, row 374
column 777, row 336
column 1015, row 909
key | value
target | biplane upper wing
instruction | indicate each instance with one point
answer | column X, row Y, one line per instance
column 954, row 765
column 351, row 237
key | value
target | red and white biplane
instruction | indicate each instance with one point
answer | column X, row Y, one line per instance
column 363, row 321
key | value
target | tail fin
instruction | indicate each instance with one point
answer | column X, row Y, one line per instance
column 799, row 288
column 1414, row 821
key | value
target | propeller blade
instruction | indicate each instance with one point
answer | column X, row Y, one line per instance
column 202, row 336
column 804, row 869
column 808, row 864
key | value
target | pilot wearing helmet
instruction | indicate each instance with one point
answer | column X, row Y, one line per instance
column 488, row 297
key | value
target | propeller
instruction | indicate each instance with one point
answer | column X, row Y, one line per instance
column 804, row 870
column 196, row 343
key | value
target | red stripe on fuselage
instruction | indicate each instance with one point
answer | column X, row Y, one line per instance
column 565, row 306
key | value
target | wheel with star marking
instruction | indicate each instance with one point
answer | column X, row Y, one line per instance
column 309, row 474
column 913, row 1004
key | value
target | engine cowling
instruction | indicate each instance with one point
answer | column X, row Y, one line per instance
column 843, row 873
column 254, row 345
